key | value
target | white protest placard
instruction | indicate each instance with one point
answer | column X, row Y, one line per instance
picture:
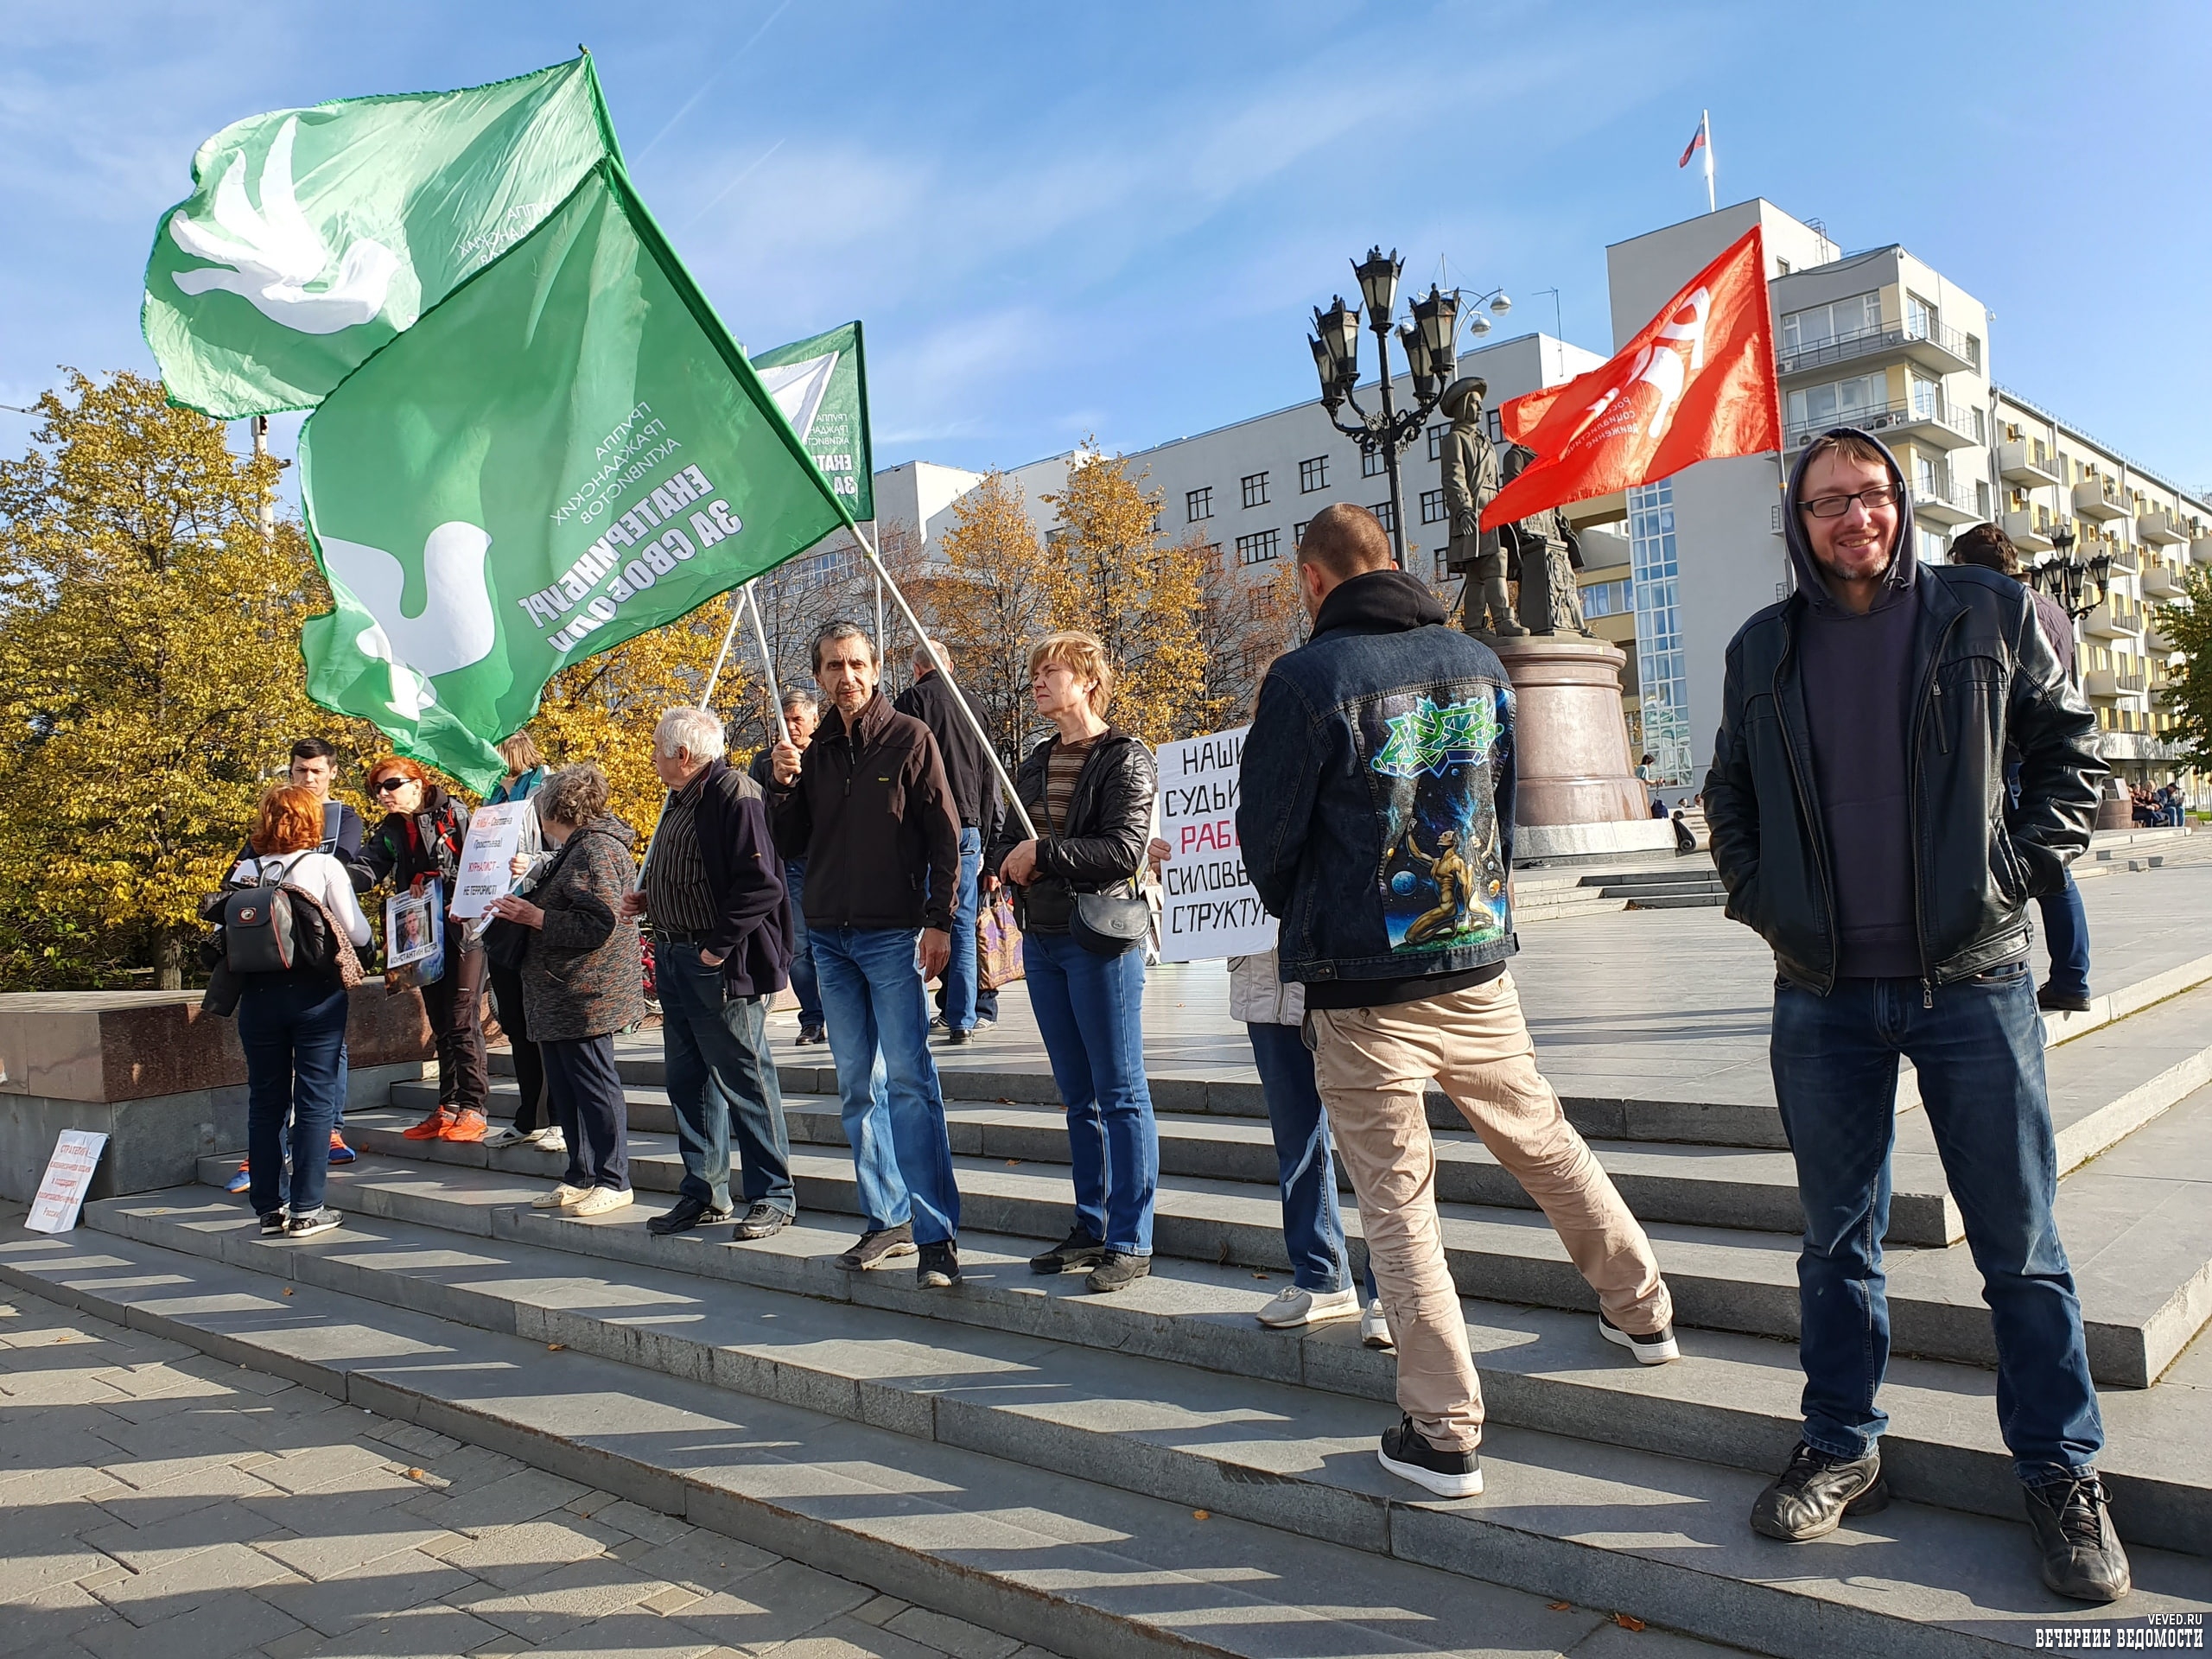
column 61, row 1194
column 496, row 833
column 1207, row 907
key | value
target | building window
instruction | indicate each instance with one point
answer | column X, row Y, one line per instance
column 1432, row 507
column 1927, row 396
column 1831, row 324
column 1255, row 485
column 1661, row 666
column 1156, row 516
column 1381, row 510
column 1436, row 439
column 1298, row 533
column 1312, row 474
column 1494, row 423
column 1259, row 547
column 1843, row 403
column 1608, row 598
column 1444, row 564
column 1919, row 316
column 1371, row 463
column 1198, row 503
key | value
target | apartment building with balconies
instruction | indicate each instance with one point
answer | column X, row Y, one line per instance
column 2053, row 479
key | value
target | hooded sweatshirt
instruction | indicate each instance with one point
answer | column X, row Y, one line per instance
column 1858, row 675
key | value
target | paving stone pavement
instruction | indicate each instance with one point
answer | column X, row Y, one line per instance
column 157, row 1503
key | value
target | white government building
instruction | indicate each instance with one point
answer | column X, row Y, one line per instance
column 1875, row 339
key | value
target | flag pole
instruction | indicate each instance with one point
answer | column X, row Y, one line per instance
column 768, row 665
column 1708, row 161
column 706, row 702
column 990, row 751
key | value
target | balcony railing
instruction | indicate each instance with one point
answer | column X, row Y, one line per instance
column 1948, row 350
column 1947, row 429
column 2019, row 463
column 1946, row 502
column 2099, row 497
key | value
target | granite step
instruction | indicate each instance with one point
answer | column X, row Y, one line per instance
column 1661, row 1537
column 1078, row 1566
column 1543, row 1368
column 2141, row 1245
column 2177, row 1002
column 1714, row 1186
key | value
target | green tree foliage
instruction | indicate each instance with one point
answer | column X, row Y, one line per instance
column 2188, row 623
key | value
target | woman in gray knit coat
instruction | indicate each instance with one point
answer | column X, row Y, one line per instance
column 582, row 981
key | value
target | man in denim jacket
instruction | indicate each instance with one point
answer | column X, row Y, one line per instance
column 1376, row 819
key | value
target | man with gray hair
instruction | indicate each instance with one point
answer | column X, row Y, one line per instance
column 974, row 802
column 713, row 896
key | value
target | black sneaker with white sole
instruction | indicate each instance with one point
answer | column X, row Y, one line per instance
column 272, row 1224
column 763, row 1220
column 316, row 1221
column 1654, row 1350
column 939, row 1267
column 1448, row 1474
column 884, row 1244
column 1077, row 1249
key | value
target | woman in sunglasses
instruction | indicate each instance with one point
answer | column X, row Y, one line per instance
column 419, row 839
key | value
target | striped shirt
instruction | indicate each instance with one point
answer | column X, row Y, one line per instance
column 1062, row 768
column 677, row 898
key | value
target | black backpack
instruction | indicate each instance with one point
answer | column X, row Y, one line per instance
column 267, row 931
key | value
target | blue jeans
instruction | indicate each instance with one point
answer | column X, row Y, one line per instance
column 1090, row 1011
column 887, row 1089
column 958, row 1004
column 805, row 985
column 293, row 1031
column 1978, row 1051
column 720, row 1077
column 2065, row 924
column 2066, row 931
column 1312, row 1229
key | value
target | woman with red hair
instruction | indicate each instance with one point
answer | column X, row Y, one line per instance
column 292, row 1025
column 419, row 839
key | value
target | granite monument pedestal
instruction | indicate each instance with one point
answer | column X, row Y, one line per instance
column 1576, row 792
column 164, row 1081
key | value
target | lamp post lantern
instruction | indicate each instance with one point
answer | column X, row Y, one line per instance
column 1430, row 342
column 2077, row 584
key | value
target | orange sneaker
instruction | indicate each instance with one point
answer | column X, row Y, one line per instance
column 431, row 1128
column 464, row 1126
column 339, row 1151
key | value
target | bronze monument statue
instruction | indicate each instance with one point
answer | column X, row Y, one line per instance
column 1471, row 480
column 1545, row 553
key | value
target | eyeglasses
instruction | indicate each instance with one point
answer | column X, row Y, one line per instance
column 1834, row 506
column 391, row 785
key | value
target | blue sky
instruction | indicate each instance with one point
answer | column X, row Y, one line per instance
column 1062, row 220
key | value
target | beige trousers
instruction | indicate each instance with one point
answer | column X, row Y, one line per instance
column 1373, row 1066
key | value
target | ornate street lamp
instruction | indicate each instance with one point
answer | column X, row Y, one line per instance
column 2077, row 584
column 1430, row 342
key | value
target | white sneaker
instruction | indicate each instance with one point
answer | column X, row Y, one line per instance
column 1374, row 1327
column 549, row 1139
column 506, row 1136
column 599, row 1200
column 560, row 1198
column 1292, row 1306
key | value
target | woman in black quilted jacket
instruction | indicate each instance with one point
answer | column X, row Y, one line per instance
column 1089, row 791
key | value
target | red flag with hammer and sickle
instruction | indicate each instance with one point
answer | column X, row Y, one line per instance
column 1695, row 383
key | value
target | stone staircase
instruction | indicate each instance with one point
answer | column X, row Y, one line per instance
column 1153, row 1472
column 1693, row 885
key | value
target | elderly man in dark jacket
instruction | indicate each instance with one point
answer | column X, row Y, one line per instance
column 1858, row 800
column 721, row 931
column 867, row 807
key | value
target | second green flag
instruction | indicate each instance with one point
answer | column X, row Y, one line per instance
column 566, row 452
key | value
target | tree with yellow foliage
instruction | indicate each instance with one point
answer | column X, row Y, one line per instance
column 989, row 602
column 150, row 680
column 1109, row 569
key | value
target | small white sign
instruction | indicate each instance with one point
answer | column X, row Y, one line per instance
column 1208, row 908
column 61, row 1194
column 496, row 833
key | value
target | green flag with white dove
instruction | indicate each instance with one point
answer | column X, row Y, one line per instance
column 569, row 451
column 821, row 384
column 314, row 236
